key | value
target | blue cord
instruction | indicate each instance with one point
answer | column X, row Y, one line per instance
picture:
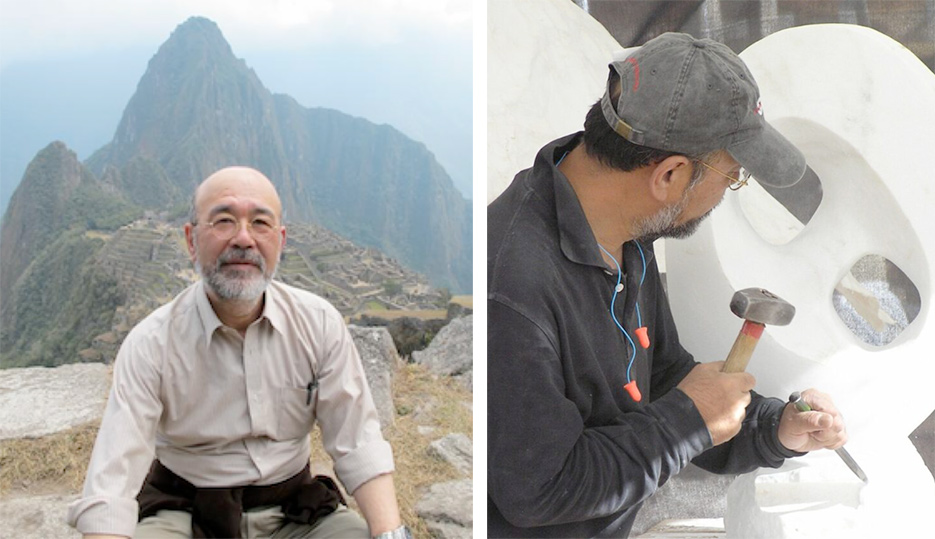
column 639, row 319
column 613, row 299
column 613, row 315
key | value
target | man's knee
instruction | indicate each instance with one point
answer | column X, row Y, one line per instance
column 343, row 523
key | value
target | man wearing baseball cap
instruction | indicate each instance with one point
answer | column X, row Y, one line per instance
column 592, row 402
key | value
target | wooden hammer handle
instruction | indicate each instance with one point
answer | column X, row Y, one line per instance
column 743, row 347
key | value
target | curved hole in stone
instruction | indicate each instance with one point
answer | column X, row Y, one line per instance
column 876, row 300
column 779, row 215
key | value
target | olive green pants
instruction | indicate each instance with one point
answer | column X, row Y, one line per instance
column 259, row 522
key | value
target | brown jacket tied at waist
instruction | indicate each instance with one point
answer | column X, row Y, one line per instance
column 216, row 512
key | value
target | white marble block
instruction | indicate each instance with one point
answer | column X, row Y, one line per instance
column 861, row 107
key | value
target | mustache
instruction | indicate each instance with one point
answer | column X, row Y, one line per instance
column 239, row 256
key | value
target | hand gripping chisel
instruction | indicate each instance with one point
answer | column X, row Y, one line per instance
column 802, row 406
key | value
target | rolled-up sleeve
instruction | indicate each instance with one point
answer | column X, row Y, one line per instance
column 124, row 448
column 348, row 419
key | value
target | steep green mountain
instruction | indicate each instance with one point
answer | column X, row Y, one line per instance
column 142, row 181
column 55, row 299
column 57, row 193
column 199, row 108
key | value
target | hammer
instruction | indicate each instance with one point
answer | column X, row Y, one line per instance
column 757, row 307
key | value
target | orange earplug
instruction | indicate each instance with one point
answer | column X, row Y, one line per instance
column 643, row 336
column 633, row 391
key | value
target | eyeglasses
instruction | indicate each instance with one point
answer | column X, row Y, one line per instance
column 225, row 228
column 735, row 183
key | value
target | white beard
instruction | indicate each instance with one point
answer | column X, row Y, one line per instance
column 230, row 284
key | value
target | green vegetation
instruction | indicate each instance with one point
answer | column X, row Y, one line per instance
column 144, row 182
column 61, row 302
column 392, row 287
column 93, row 209
column 444, row 297
column 374, row 305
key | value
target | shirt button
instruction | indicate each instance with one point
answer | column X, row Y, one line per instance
column 619, row 287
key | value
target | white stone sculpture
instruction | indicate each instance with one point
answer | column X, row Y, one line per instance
column 861, row 107
column 547, row 64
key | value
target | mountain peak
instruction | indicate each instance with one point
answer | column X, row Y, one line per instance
column 198, row 24
column 183, row 105
column 196, row 39
column 37, row 209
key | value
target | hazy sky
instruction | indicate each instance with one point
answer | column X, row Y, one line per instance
column 68, row 68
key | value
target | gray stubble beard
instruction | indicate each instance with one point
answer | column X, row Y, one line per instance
column 662, row 223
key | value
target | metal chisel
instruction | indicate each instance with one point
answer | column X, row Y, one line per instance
column 796, row 399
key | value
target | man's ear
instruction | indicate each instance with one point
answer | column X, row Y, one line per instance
column 669, row 178
column 190, row 239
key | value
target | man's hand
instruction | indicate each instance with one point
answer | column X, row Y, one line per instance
column 823, row 427
column 721, row 398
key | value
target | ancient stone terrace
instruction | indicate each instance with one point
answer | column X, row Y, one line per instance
column 149, row 260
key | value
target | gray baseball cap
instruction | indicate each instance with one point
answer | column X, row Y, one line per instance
column 693, row 96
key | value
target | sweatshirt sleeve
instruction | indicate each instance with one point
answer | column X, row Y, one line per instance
column 757, row 444
column 545, row 466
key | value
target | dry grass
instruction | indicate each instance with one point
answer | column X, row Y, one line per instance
column 51, row 464
column 428, row 401
column 56, row 464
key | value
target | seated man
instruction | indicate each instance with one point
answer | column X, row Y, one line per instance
column 224, row 384
column 593, row 404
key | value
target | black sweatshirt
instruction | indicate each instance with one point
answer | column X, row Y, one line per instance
column 570, row 453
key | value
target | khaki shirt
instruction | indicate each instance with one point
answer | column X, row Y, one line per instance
column 222, row 410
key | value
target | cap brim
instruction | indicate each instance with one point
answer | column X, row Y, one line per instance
column 770, row 158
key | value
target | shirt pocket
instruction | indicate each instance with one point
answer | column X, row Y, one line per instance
column 295, row 412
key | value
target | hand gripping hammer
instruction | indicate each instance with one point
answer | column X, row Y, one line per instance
column 757, row 307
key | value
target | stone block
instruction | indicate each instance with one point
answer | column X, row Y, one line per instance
column 380, row 360
column 455, row 449
column 37, row 401
column 450, row 352
column 447, row 509
column 37, row 517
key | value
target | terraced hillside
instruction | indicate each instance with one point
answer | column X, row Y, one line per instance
column 149, row 259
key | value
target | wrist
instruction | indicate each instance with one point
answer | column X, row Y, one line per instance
column 401, row 532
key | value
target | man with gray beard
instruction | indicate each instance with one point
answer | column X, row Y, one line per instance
column 223, row 385
column 592, row 403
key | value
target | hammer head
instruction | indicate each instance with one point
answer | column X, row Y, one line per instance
column 762, row 306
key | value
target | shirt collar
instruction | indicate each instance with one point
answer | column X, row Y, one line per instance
column 576, row 238
column 273, row 307
column 272, row 310
column 209, row 319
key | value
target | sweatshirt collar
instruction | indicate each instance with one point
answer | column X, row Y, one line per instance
column 576, row 238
